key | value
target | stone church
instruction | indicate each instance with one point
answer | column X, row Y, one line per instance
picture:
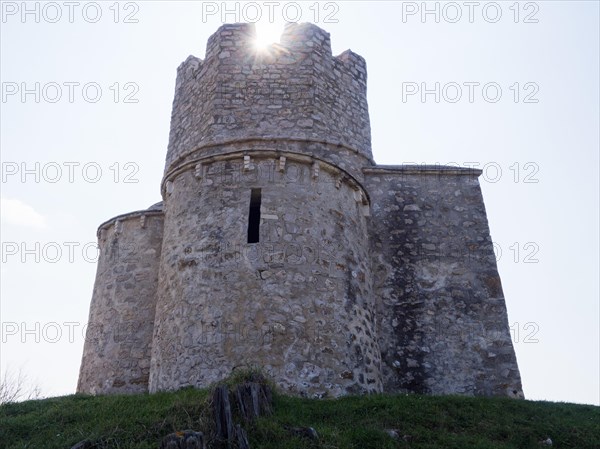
column 280, row 244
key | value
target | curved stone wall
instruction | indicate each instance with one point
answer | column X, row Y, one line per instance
column 116, row 354
column 298, row 303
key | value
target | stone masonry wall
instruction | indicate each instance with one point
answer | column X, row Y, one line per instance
column 365, row 278
column 442, row 321
column 296, row 92
column 298, row 303
column 116, row 354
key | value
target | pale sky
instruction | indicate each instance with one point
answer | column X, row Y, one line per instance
column 76, row 151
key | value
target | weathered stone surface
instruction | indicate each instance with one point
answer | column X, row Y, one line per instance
column 253, row 400
column 304, row 432
column 393, row 433
column 222, row 414
column 116, row 353
column 250, row 399
column 241, row 437
column 297, row 303
column 188, row 439
column 337, row 277
column 85, row 444
column 442, row 319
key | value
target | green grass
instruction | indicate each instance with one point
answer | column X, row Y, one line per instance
column 140, row 421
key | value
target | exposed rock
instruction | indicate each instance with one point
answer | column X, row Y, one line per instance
column 85, row 444
column 304, row 432
column 393, row 433
column 187, row 439
column 224, row 428
column 253, row 400
column 241, row 438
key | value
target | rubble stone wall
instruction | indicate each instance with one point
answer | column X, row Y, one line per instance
column 298, row 303
column 116, row 354
column 441, row 316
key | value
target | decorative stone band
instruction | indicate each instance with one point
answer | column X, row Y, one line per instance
column 347, row 157
column 115, row 222
column 279, row 158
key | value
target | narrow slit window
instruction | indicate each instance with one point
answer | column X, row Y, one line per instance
column 254, row 216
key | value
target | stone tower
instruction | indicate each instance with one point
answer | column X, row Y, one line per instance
column 281, row 244
column 116, row 354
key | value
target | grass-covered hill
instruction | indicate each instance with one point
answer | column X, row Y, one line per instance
column 382, row 421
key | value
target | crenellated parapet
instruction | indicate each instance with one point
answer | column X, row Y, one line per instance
column 295, row 91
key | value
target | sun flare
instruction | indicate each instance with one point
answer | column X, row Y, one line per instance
column 266, row 35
